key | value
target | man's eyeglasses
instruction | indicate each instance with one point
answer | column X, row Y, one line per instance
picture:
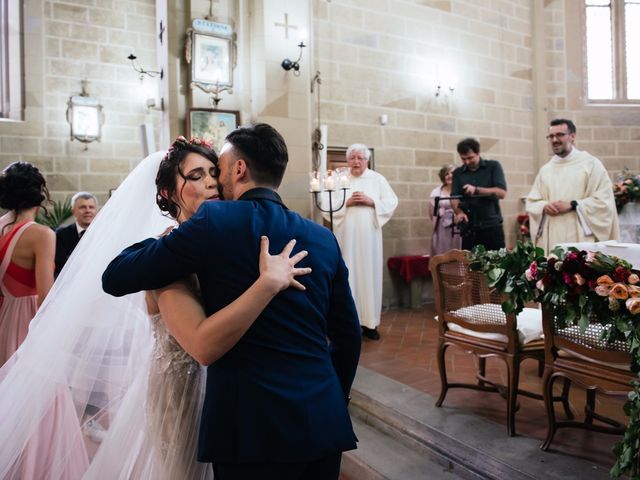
column 559, row 135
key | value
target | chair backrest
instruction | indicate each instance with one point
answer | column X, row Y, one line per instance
column 464, row 298
column 588, row 346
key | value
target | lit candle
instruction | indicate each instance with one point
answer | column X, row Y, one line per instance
column 314, row 184
column 329, row 183
column 344, row 181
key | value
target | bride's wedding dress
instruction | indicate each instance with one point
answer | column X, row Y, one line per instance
column 114, row 364
column 168, row 393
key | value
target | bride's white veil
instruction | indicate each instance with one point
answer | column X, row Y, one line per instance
column 84, row 347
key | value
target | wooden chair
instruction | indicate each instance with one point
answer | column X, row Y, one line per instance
column 583, row 358
column 471, row 317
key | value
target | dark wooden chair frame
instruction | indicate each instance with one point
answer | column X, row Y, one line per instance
column 512, row 352
column 589, row 370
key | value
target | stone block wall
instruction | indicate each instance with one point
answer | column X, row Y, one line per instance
column 388, row 57
column 65, row 42
column 610, row 132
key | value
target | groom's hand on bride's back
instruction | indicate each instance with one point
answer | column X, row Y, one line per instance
column 279, row 271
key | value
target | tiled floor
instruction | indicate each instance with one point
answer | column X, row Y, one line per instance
column 407, row 353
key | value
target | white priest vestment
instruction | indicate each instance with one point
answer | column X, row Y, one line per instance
column 359, row 233
column 579, row 176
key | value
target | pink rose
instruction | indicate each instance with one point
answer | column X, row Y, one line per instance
column 603, row 290
column 633, row 305
column 579, row 279
column 540, row 285
column 633, row 279
column 634, row 290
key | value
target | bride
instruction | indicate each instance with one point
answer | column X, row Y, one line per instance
column 118, row 355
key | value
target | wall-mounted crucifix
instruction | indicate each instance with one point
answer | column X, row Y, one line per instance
column 286, row 25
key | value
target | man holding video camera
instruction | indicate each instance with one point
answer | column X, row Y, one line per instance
column 482, row 185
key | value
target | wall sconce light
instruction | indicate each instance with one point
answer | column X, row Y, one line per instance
column 291, row 65
column 141, row 71
column 85, row 117
column 439, row 89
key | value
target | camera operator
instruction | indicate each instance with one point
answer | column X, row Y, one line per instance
column 482, row 183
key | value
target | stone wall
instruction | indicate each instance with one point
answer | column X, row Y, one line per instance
column 612, row 133
column 384, row 57
column 65, row 42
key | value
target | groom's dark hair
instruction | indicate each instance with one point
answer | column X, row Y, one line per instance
column 264, row 150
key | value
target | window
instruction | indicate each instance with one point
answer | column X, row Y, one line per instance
column 11, row 75
column 613, row 50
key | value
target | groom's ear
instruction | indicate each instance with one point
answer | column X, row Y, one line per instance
column 240, row 168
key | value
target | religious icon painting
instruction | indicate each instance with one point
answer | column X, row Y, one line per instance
column 210, row 49
column 212, row 125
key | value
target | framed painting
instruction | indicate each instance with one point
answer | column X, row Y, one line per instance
column 211, row 60
column 212, row 125
column 336, row 158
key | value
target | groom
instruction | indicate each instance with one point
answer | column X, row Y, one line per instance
column 275, row 405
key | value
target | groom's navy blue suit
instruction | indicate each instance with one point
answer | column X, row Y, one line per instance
column 280, row 394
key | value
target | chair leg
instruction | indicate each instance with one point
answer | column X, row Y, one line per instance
column 513, row 378
column 482, row 369
column 547, row 394
column 566, row 386
column 444, row 386
column 540, row 367
column 590, row 406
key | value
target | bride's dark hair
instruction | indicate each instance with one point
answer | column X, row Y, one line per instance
column 171, row 164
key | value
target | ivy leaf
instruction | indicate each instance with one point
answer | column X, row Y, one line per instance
column 494, row 275
column 508, row 307
column 583, row 322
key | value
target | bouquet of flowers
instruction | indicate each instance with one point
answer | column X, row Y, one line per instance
column 576, row 286
column 626, row 189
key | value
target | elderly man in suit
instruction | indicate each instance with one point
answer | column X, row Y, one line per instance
column 275, row 405
column 84, row 206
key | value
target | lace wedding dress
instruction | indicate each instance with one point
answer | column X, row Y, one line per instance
column 169, row 397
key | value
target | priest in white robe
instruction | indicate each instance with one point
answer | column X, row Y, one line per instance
column 572, row 197
column 358, row 226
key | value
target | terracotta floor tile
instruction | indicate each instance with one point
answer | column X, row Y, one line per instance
column 407, row 353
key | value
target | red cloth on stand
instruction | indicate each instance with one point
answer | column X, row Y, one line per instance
column 410, row 266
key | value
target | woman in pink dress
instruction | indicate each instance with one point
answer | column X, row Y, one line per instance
column 443, row 238
column 26, row 254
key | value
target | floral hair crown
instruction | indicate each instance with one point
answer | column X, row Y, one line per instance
column 181, row 141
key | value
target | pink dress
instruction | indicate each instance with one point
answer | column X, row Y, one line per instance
column 19, row 300
column 442, row 239
column 59, row 430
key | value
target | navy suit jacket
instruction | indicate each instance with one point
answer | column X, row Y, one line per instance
column 66, row 241
column 280, row 394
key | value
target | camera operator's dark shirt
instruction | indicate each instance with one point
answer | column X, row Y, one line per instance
column 483, row 212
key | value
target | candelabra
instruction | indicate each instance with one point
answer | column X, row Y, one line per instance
column 334, row 181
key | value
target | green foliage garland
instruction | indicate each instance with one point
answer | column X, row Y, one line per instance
column 576, row 286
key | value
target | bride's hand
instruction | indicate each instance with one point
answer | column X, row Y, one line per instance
column 278, row 271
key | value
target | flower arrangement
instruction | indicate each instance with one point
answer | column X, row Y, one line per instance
column 626, row 189
column 576, row 286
